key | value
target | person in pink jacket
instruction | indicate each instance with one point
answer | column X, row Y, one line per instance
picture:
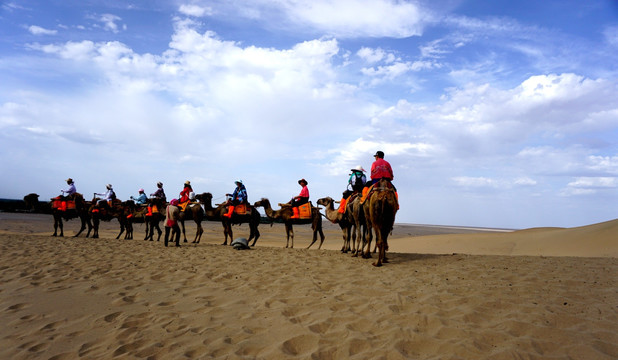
column 301, row 199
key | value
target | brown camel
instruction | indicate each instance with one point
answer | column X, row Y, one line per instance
column 216, row 214
column 195, row 212
column 150, row 218
column 118, row 210
column 381, row 207
column 356, row 216
column 285, row 214
column 34, row 205
column 334, row 216
column 80, row 210
column 153, row 219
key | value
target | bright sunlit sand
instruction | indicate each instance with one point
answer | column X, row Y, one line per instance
column 537, row 293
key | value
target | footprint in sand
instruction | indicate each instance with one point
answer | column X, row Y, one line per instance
column 299, row 345
column 111, row 317
column 17, row 307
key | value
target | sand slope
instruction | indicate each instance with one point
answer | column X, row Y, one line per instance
column 598, row 240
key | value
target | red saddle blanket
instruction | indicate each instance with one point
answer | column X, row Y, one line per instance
column 63, row 205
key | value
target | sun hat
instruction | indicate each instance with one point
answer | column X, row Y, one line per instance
column 109, row 186
column 303, row 180
column 238, row 182
column 174, row 202
column 159, row 183
column 140, row 190
column 358, row 168
column 69, row 180
column 187, row 182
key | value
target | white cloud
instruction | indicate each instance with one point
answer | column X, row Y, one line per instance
column 110, row 22
column 357, row 18
column 195, row 10
column 611, row 35
column 37, row 30
column 375, row 55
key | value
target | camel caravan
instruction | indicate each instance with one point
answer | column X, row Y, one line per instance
column 366, row 209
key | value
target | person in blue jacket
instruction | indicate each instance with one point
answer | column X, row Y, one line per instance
column 239, row 196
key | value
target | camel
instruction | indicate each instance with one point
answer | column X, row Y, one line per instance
column 34, row 205
column 285, row 214
column 334, row 216
column 139, row 214
column 356, row 216
column 380, row 209
column 119, row 210
column 80, row 210
column 195, row 212
column 214, row 214
column 152, row 221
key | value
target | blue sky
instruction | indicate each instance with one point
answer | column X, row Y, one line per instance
column 492, row 113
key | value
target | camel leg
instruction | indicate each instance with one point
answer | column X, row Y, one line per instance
column 256, row 234
column 227, row 231
column 290, row 234
column 182, row 224
column 315, row 238
column 121, row 229
column 322, row 237
column 367, row 253
column 156, row 225
column 82, row 228
column 198, row 234
column 95, row 228
column 380, row 245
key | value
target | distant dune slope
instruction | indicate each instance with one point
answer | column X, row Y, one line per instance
column 598, row 240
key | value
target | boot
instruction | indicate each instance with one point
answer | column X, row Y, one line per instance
column 230, row 211
column 342, row 204
column 365, row 192
column 296, row 213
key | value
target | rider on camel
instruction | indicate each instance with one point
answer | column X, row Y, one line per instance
column 239, row 196
column 184, row 194
column 68, row 193
column 301, row 199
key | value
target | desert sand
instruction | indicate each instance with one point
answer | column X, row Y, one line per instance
column 447, row 293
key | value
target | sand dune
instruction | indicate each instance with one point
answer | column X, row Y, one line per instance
column 69, row 298
column 598, row 240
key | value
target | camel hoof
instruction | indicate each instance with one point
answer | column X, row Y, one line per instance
column 376, row 264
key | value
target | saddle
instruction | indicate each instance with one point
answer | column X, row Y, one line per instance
column 242, row 209
column 61, row 204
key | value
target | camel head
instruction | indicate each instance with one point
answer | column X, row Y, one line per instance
column 204, row 198
column 263, row 202
column 326, row 202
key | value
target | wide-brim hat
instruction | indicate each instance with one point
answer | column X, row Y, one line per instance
column 238, row 182
column 358, row 168
column 159, row 184
column 140, row 190
column 69, row 180
column 303, row 181
column 187, row 182
column 109, row 186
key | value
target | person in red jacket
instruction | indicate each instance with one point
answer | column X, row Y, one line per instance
column 184, row 194
column 380, row 169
